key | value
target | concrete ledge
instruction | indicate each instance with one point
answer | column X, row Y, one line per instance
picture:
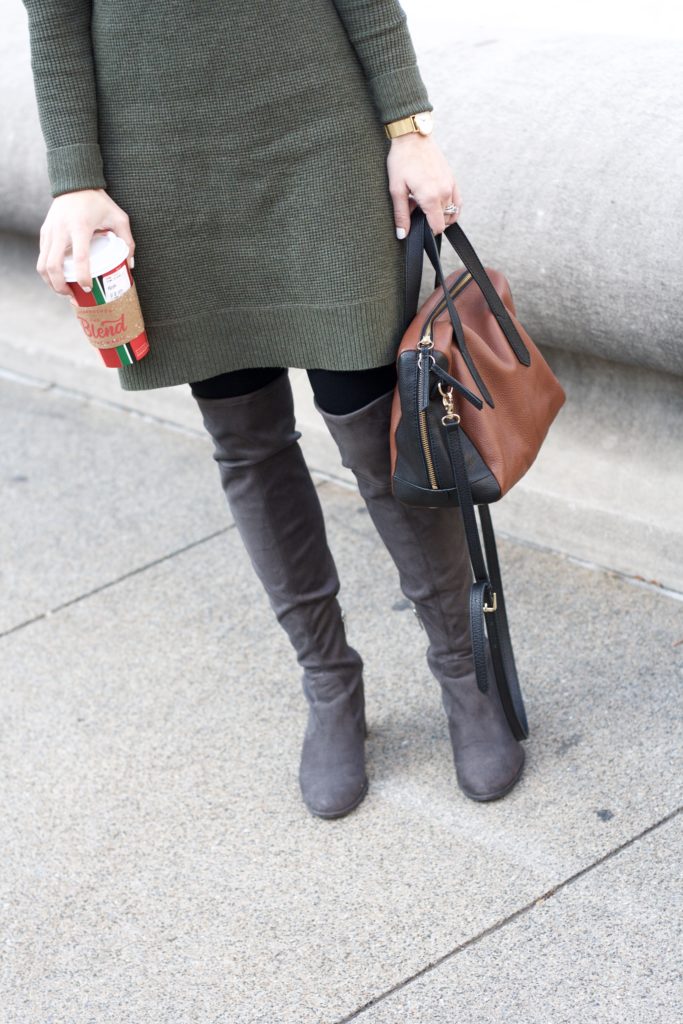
column 566, row 149
column 607, row 485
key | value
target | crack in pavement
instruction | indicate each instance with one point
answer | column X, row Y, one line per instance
column 498, row 925
column 119, row 579
column 76, row 395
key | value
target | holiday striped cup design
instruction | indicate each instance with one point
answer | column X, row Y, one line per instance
column 111, row 279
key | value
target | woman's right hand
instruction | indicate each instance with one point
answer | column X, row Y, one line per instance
column 71, row 221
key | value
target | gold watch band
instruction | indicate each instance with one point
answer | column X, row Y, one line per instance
column 420, row 123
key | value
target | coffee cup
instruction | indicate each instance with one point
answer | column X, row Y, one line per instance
column 110, row 313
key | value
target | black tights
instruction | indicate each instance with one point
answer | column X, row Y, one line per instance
column 336, row 391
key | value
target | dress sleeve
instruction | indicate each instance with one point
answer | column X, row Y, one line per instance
column 64, row 82
column 379, row 34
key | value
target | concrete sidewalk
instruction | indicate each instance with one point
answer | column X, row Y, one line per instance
column 158, row 864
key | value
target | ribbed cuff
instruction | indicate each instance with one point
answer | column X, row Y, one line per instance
column 74, row 167
column 399, row 93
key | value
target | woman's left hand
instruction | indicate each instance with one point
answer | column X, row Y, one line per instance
column 416, row 164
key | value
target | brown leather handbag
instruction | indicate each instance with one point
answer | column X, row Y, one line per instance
column 473, row 403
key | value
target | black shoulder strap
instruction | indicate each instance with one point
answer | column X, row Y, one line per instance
column 487, row 602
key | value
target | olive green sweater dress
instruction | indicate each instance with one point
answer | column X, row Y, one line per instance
column 245, row 140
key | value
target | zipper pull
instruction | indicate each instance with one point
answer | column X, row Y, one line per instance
column 424, row 345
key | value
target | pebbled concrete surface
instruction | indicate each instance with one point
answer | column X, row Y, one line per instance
column 88, row 494
column 158, row 864
column 601, row 949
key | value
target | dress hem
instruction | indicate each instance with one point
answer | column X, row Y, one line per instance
column 353, row 336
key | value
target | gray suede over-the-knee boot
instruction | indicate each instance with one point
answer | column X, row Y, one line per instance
column 429, row 548
column 278, row 514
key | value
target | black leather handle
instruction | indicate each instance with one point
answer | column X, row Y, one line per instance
column 414, row 259
column 430, row 247
column 421, row 238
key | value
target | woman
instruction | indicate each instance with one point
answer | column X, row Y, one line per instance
column 240, row 150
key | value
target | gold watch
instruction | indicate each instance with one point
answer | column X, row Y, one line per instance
column 421, row 123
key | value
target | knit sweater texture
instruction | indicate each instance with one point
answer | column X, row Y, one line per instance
column 245, row 141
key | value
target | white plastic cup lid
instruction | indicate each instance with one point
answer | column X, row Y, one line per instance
column 107, row 251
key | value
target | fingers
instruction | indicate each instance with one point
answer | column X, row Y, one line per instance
column 53, row 248
column 433, row 210
column 121, row 226
column 59, row 243
column 72, row 222
column 80, row 245
column 41, row 265
column 454, row 197
column 399, row 197
column 419, row 174
column 432, row 204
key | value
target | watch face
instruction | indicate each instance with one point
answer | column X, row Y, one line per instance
column 424, row 122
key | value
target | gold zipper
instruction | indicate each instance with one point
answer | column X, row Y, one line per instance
column 425, row 344
column 424, row 347
column 424, row 436
column 457, row 288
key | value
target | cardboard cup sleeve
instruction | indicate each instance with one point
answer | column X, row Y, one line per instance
column 113, row 323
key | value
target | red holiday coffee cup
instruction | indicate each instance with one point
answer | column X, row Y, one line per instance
column 110, row 314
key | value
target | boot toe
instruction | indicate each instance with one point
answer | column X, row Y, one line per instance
column 332, row 798
column 486, row 772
